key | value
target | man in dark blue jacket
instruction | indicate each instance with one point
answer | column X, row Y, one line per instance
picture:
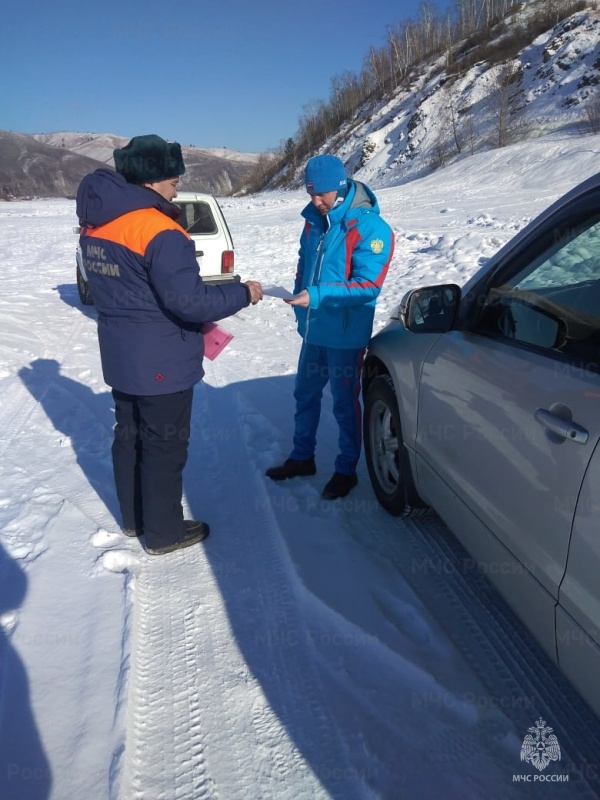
column 345, row 252
column 151, row 306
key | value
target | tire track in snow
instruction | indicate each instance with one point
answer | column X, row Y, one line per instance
column 164, row 754
column 295, row 696
column 293, row 704
column 218, row 707
column 500, row 650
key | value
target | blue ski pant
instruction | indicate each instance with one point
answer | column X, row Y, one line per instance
column 318, row 366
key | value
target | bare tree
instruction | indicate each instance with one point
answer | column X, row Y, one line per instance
column 397, row 53
column 451, row 124
column 308, row 126
column 455, row 123
column 428, row 25
column 346, row 96
column 440, row 152
column 591, row 114
column 290, row 153
column 447, row 37
column 411, row 43
column 468, row 128
column 500, row 104
column 466, row 11
column 505, row 108
column 379, row 66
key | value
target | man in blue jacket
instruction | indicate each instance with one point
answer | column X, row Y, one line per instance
column 151, row 305
column 345, row 252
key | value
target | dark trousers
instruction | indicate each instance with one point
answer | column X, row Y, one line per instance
column 149, row 453
column 342, row 369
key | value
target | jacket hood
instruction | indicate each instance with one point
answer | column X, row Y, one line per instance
column 104, row 195
column 363, row 197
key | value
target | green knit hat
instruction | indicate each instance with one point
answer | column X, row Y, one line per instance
column 148, row 159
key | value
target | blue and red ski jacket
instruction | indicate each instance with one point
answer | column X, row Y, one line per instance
column 343, row 260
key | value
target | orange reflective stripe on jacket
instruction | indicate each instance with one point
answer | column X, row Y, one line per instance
column 136, row 229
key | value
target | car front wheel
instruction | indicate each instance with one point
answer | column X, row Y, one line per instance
column 387, row 459
column 83, row 287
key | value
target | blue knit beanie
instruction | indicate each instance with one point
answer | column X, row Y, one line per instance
column 325, row 174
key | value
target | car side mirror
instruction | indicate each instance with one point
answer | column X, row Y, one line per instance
column 431, row 309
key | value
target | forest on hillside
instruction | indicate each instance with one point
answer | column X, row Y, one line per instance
column 470, row 31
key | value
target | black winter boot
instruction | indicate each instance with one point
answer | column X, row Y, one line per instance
column 292, row 469
column 339, row 485
column 195, row 531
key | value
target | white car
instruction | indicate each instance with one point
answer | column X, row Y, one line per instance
column 484, row 403
column 203, row 219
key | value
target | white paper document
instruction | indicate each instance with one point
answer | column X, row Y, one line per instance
column 277, row 291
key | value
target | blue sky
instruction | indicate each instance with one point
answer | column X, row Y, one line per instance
column 233, row 74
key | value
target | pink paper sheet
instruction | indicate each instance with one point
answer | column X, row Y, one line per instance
column 215, row 339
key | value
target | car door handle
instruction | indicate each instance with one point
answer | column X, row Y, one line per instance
column 562, row 425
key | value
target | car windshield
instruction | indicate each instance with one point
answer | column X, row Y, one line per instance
column 573, row 258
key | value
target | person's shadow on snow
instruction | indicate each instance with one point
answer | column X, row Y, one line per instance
column 86, row 419
column 68, row 294
column 24, row 769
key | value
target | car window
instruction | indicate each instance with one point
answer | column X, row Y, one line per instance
column 552, row 302
column 197, row 218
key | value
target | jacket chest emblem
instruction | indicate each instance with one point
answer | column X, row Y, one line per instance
column 377, row 245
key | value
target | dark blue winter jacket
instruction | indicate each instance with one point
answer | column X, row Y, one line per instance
column 146, row 285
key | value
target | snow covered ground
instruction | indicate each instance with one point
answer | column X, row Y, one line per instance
column 291, row 656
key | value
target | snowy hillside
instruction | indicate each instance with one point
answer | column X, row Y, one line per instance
column 551, row 86
column 302, row 652
column 101, row 145
column 52, row 165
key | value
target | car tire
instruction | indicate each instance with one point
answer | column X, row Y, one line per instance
column 387, row 460
column 83, row 287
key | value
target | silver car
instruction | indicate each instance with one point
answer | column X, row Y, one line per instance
column 484, row 403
